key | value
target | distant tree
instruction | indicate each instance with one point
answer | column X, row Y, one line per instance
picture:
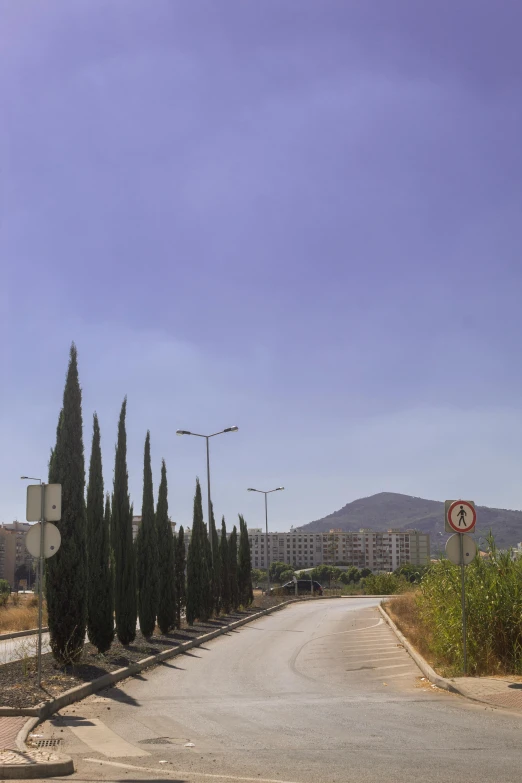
column 244, row 568
column 232, row 561
column 286, row 576
column 365, row 572
column 100, row 615
column 198, row 577
column 259, row 575
column 166, row 559
column 276, row 569
column 413, row 573
column 147, row 553
column 179, row 574
column 125, row 597
column 5, row 592
column 225, row 569
column 208, row 595
column 67, row 570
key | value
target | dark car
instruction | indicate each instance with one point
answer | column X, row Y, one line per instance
column 303, row 586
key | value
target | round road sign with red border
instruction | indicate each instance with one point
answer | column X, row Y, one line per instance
column 462, row 516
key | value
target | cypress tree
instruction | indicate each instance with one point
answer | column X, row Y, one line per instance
column 100, row 622
column 67, row 570
column 179, row 574
column 232, row 560
column 147, row 553
column 246, row 594
column 197, row 564
column 225, row 569
column 208, row 595
column 166, row 564
column 125, row 599
column 216, row 564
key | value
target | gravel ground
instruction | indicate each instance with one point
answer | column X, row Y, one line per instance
column 18, row 686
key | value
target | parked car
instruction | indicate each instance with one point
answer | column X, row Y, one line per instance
column 303, row 586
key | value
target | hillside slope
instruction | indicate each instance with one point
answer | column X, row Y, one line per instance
column 393, row 510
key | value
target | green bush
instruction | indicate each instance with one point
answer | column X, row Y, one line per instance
column 4, row 592
column 384, row 584
column 494, row 612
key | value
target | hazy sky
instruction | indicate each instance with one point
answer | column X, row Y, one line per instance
column 301, row 217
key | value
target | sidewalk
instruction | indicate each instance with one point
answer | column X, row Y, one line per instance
column 495, row 691
column 35, row 763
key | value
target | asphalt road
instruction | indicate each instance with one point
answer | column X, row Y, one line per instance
column 317, row 693
column 22, row 647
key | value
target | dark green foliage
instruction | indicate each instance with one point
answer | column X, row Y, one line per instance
column 179, row 574
column 147, row 553
column 232, row 567
column 67, row 570
column 125, row 599
column 225, row 569
column 244, row 568
column 197, row 565
column 413, row 573
column 100, row 620
column 216, row 564
column 366, row 572
column 166, row 565
column 208, row 602
column 276, row 569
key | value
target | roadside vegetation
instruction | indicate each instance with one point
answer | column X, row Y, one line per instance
column 431, row 618
column 19, row 612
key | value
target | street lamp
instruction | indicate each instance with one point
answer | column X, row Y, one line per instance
column 207, row 438
column 268, row 492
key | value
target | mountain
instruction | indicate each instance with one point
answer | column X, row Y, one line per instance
column 392, row 510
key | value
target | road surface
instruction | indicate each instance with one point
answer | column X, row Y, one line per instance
column 22, row 647
column 320, row 692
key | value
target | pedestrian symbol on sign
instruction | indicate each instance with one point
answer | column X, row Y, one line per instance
column 462, row 517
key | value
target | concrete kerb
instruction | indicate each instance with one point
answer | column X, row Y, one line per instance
column 4, row 637
column 429, row 673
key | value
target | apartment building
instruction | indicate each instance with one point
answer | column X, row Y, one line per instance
column 379, row 551
column 12, row 549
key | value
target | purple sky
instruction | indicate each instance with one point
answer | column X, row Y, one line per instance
column 303, row 218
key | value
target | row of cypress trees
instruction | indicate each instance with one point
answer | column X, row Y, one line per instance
column 100, row 581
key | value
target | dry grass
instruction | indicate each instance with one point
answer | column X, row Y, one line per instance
column 405, row 613
column 20, row 614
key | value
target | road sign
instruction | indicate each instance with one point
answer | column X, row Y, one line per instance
column 460, row 516
column 469, row 549
column 52, row 540
column 52, row 502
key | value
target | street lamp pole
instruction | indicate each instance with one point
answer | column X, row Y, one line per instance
column 268, row 492
column 207, row 438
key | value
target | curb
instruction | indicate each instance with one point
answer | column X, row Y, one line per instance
column 15, row 634
column 429, row 673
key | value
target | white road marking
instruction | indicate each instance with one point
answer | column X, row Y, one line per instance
column 394, row 676
column 395, row 666
column 180, row 774
column 101, row 739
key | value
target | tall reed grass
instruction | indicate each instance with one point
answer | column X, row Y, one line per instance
column 493, row 609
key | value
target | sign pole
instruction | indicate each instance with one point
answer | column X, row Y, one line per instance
column 463, row 600
column 40, row 597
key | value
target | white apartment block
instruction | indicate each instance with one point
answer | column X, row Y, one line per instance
column 378, row 551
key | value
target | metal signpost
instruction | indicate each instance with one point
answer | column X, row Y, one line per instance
column 44, row 505
column 461, row 549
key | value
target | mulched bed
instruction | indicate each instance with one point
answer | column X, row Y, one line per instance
column 18, row 687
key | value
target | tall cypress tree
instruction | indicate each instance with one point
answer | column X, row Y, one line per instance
column 67, row 569
column 125, row 599
column 166, row 564
column 208, row 595
column 216, row 564
column 232, row 560
column 225, row 569
column 197, row 564
column 147, row 553
column 179, row 575
column 246, row 594
column 100, row 622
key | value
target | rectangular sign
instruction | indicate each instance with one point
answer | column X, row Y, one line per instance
column 53, row 502
column 447, row 505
